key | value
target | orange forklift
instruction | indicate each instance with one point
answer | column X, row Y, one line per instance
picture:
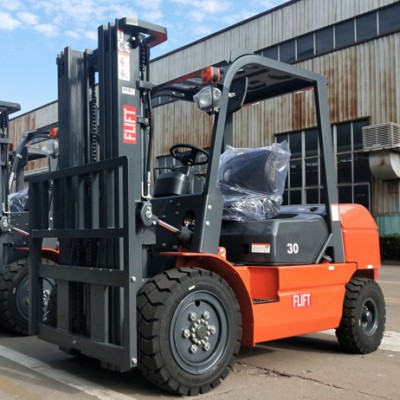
column 172, row 276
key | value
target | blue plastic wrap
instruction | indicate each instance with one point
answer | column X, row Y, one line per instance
column 18, row 201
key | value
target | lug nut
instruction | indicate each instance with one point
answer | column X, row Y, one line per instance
column 206, row 346
column 192, row 316
column 193, row 348
column 206, row 315
column 186, row 333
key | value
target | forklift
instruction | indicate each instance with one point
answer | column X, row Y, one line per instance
column 14, row 218
column 152, row 274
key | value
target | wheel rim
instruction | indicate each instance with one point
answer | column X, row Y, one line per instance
column 22, row 296
column 199, row 332
column 369, row 317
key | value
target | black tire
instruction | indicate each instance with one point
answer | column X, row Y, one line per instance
column 14, row 297
column 189, row 330
column 364, row 315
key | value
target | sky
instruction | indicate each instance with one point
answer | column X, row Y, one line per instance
column 33, row 32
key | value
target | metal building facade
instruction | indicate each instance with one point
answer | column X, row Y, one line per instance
column 363, row 77
column 363, row 80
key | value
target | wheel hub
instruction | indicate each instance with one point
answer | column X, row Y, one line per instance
column 199, row 331
column 369, row 317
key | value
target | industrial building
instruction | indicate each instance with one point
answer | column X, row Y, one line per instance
column 356, row 45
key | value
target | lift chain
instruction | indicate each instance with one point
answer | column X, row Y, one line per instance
column 3, row 122
column 93, row 116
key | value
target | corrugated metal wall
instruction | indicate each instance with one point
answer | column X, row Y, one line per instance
column 362, row 84
column 287, row 22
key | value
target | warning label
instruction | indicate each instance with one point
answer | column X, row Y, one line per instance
column 264, row 248
column 129, row 124
column 124, row 70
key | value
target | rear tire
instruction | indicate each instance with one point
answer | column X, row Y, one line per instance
column 363, row 321
column 189, row 330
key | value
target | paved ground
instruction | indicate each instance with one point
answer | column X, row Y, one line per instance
column 306, row 367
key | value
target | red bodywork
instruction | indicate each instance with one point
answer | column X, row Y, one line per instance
column 283, row 301
column 47, row 253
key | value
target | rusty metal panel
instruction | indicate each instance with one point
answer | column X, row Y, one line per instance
column 180, row 122
column 362, row 84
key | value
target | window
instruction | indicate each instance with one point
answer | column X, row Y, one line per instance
column 304, row 182
column 366, row 27
column 352, row 164
column 343, row 137
column 357, row 134
column 294, row 182
column 361, row 195
column 344, row 168
column 312, row 171
column 305, row 47
column 361, row 168
column 324, row 40
column 296, row 146
column 288, row 51
column 344, row 34
column 271, row 52
column 389, row 20
column 311, row 141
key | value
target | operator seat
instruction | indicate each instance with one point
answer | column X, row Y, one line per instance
column 177, row 181
column 171, row 183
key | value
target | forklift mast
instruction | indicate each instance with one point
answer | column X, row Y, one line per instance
column 96, row 194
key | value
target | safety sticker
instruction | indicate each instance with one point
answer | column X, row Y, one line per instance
column 264, row 248
column 128, row 90
column 129, row 124
column 124, row 69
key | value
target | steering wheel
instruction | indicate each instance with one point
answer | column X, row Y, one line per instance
column 187, row 154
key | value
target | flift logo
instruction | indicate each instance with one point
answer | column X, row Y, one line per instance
column 301, row 300
column 129, row 124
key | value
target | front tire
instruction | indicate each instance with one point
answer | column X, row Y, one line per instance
column 15, row 295
column 363, row 321
column 189, row 330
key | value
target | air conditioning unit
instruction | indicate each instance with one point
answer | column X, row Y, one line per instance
column 381, row 137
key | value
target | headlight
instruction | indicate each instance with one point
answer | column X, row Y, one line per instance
column 208, row 99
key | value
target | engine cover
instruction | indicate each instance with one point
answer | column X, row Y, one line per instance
column 287, row 239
